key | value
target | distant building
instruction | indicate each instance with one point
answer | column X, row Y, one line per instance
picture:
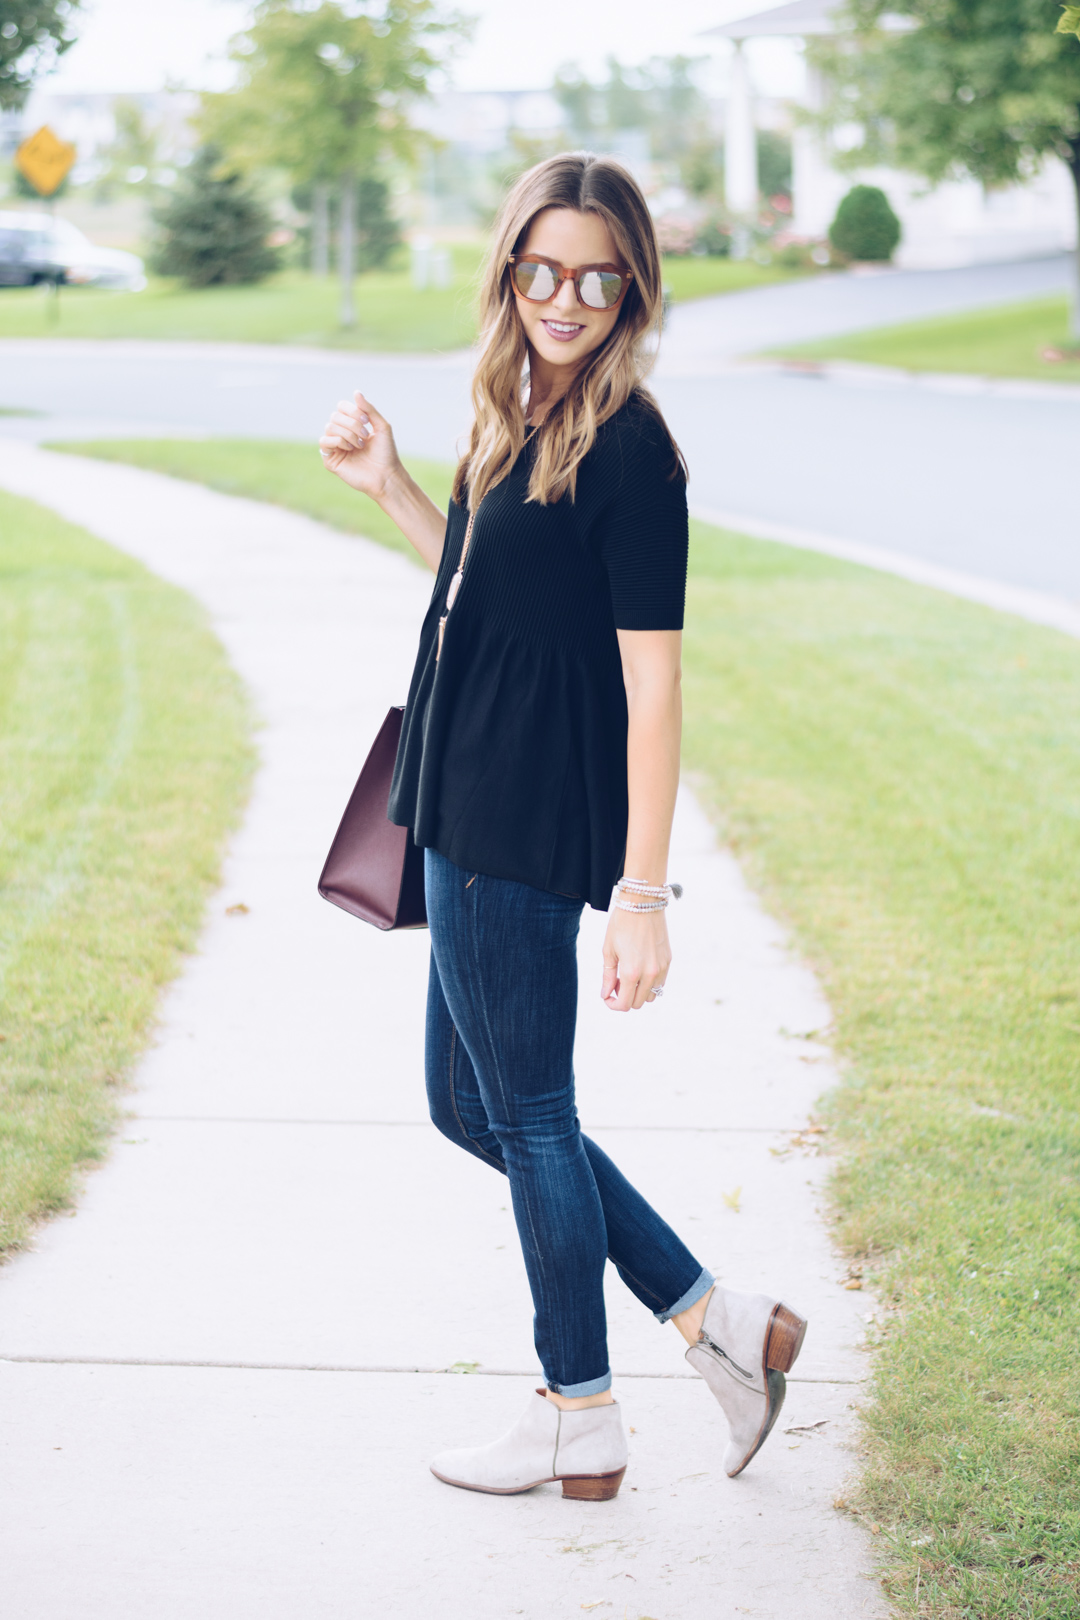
column 957, row 223
column 88, row 121
column 481, row 120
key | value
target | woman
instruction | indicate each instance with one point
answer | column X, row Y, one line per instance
column 537, row 769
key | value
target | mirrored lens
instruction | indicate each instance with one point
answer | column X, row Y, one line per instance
column 600, row 288
column 534, row 280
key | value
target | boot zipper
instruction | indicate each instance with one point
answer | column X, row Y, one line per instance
column 723, row 1355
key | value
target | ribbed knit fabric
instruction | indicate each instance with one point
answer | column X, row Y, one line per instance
column 512, row 758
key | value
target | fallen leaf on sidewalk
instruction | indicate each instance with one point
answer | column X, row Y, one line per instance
column 239, row 910
column 731, row 1199
column 463, row 1367
column 806, row 1428
column 853, row 1283
column 809, row 1139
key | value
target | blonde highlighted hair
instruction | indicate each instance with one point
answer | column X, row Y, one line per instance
column 609, row 377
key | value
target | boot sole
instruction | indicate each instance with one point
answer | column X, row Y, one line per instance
column 577, row 1487
column 783, row 1340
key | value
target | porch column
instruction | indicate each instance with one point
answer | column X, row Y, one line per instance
column 740, row 148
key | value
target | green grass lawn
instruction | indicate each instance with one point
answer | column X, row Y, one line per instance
column 687, row 278
column 900, row 773
column 294, row 307
column 123, row 761
column 282, row 472
column 1004, row 342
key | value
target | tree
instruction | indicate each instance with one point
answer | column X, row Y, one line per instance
column 983, row 88
column 325, row 93
column 132, row 156
column 660, row 97
column 33, row 34
column 378, row 232
column 577, row 97
column 214, row 228
column 774, row 162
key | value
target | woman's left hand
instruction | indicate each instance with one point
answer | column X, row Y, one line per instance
column 637, row 957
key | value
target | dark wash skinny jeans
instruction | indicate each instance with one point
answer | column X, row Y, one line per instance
column 502, row 1007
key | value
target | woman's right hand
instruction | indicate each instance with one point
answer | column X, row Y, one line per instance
column 358, row 445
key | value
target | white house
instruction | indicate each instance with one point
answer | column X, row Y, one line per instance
column 952, row 224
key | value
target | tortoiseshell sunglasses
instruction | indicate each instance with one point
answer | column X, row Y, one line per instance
column 598, row 286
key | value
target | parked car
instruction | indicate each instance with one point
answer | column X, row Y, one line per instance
column 36, row 248
column 24, row 257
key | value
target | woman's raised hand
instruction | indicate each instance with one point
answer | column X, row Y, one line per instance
column 358, row 445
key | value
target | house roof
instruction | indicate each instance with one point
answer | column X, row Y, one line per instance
column 797, row 17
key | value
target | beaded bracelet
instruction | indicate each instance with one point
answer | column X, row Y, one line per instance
column 645, row 896
column 655, row 891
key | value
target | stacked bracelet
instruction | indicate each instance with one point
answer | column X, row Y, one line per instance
column 645, row 896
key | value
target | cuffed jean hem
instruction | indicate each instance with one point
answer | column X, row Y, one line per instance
column 691, row 1297
column 573, row 1392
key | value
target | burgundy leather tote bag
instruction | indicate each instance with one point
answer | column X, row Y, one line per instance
column 374, row 870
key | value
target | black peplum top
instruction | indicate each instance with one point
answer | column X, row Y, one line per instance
column 512, row 758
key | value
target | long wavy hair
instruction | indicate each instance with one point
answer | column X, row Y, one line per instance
column 609, row 376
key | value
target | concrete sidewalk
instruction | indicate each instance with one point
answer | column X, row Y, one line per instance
column 223, row 1376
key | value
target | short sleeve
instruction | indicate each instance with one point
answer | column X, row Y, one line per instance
column 642, row 528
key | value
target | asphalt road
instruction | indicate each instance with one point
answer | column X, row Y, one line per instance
column 981, row 481
column 708, row 330
column 984, row 484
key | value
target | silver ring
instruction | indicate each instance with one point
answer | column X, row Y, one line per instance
column 657, row 990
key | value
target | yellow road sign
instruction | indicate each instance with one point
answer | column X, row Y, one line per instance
column 44, row 159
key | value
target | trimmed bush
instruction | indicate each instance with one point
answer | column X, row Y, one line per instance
column 213, row 229
column 865, row 226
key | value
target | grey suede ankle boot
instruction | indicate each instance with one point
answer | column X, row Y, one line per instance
column 585, row 1449
column 746, row 1345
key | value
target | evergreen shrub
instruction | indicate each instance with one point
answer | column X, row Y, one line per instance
column 865, row 226
column 377, row 231
column 213, row 228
